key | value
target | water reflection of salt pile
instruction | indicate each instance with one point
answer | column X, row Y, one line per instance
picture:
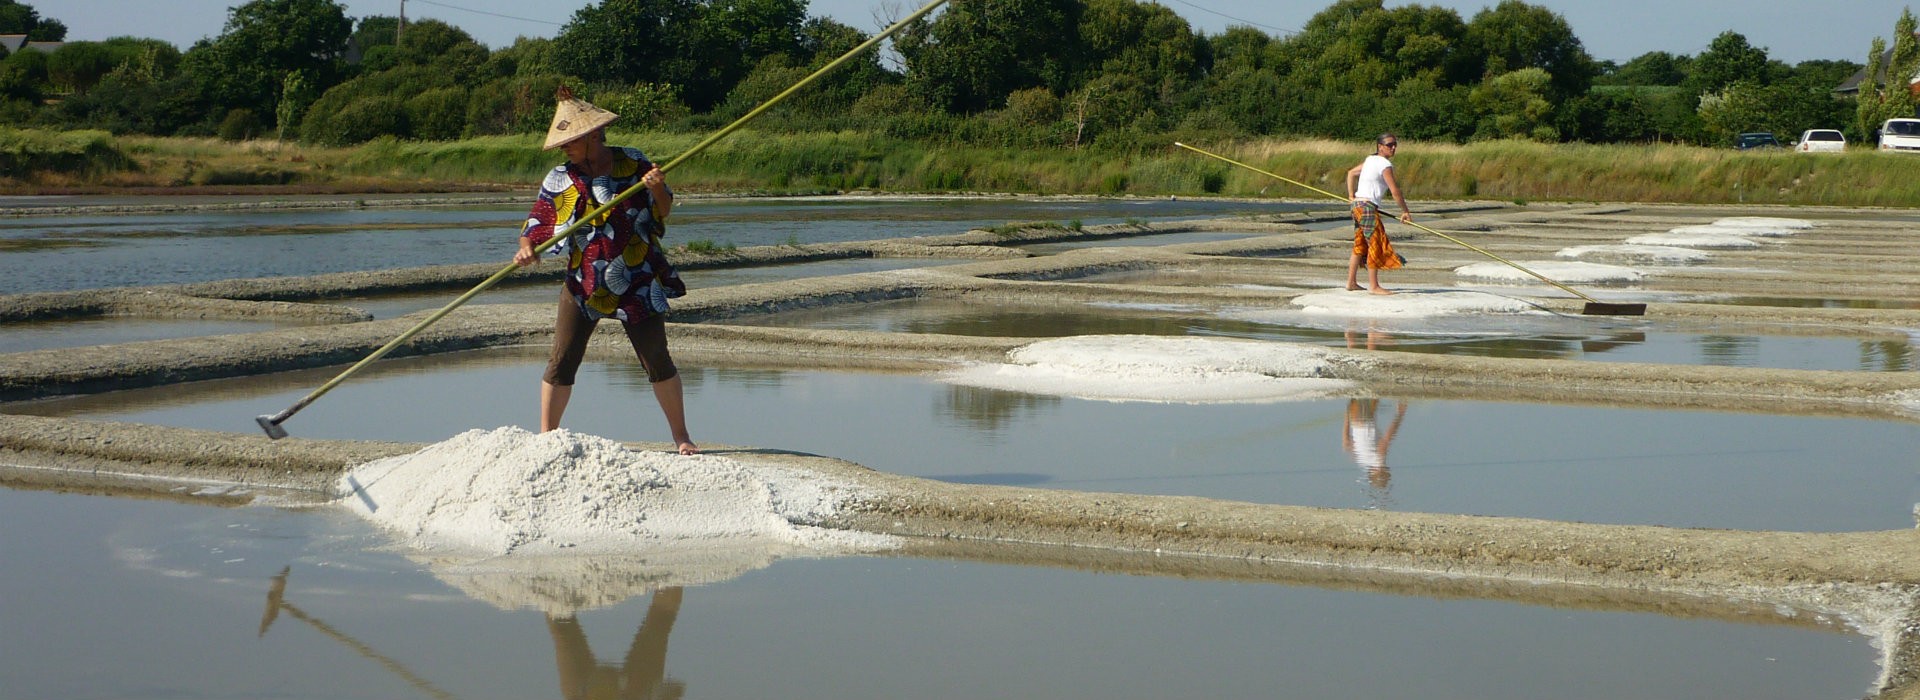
column 1155, row 368
column 563, row 521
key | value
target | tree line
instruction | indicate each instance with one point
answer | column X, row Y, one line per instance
column 1113, row 74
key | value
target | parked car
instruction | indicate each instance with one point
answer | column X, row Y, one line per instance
column 1821, row 141
column 1900, row 135
column 1758, row 139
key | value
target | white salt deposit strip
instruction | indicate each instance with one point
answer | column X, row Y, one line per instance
column 1723, row 229
column 1558, row 271
column 1765, row 222
column 508, row 491
column 1409, row 303
column 1161, row 369
column 1645, row 254
column 1710, row 241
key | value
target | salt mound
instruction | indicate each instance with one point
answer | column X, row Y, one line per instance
column 1732, row 230
column 1711, row 241
column 508, row 491
column 1410, row 303
column 1649, row 254
column 1155, row 368
column 1563, row 272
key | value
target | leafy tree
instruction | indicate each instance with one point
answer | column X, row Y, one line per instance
column 439, row 114
column 1514, row 35
column 21, row 18
column 1515, row 105
column 970, row 57
column 822, row 41
column 1887, row 90
column 1651, row 68
column 443, row 47
column 514, row 105
column 525, row 56
column 1360, row 45
column 1728, row 59
column 23, row 76
column 374, row 30
column 77, row 66
column 262, row 41
column 644, row 105
column 1239, row 47
column 702, row 46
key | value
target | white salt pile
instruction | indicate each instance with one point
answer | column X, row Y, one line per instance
column 1408, row 303
column 1633, row 253
column 1723, row 240
column 1558, row 271
column 508, row 491
column 1155, row 368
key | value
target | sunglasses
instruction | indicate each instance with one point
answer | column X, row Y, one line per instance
column 1390, row 144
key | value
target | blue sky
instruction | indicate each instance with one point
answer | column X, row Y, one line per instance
column 1790, row 30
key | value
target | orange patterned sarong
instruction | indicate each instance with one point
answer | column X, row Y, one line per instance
column 1370, row 237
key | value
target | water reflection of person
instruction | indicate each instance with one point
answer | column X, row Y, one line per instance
column 642, row 675
column 1375, row 337
column 1367, row 445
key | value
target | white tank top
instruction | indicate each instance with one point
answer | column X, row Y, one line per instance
column 1373, row 179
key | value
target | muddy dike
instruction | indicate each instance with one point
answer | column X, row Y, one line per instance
column 1870, row 578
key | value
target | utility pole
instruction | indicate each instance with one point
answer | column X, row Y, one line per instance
column 403, row 24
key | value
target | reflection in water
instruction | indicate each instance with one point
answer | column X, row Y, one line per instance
column 277, row 602
column 1727, row 350
column 1369, row 329
column 1887, row 355
column 1363, row 441
column 641, row 675
column 993, row 409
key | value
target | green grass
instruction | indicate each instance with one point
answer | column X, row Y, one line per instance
column 826, row 162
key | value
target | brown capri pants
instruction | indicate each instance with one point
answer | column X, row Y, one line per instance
column 572, row 330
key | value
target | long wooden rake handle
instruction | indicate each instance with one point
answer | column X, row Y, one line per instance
column 271, row 424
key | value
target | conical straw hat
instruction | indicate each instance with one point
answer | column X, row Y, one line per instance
column 574, row 118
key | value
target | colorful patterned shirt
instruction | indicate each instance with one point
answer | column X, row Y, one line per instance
column 614, row 264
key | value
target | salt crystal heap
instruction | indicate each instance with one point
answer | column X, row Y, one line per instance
column 508, row 491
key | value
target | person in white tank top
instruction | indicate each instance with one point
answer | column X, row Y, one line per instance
column 1366, row 183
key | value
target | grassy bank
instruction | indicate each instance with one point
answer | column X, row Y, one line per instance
column 757, row 162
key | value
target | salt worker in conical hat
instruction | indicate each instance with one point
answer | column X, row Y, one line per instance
column 615, row 268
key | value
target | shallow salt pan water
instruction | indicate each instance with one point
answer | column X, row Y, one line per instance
column 101, row 597
column 1513, row 332
column 39, row 253
column 1680, row 468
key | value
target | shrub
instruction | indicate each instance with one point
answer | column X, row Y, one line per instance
column 239, row 125
column 439, row 114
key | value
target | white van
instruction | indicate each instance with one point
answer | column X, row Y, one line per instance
column 1900, row 135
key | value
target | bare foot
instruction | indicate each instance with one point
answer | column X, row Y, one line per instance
column 687, row 447
column 1380, row 290
column 1351, row 287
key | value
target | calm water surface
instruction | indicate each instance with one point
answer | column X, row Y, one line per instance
column 1680, row 468
column 1602, row 339
column 39, row 254
column 148, row 599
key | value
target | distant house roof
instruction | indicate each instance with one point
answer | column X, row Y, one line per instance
column 12, row 42
column 1852, row 85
